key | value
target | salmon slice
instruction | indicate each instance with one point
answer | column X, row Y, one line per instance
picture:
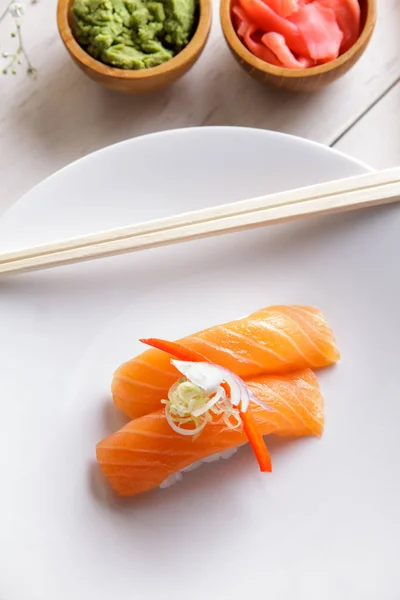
column 277, row 339
column 144, row 453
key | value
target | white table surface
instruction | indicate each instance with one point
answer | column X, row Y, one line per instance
column 60, row 117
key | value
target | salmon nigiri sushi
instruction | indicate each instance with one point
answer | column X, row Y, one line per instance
column 148, row 452
column 241, row 381
column 273, row 340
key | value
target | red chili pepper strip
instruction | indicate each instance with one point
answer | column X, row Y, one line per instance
column 177, row 350
column 257, row 442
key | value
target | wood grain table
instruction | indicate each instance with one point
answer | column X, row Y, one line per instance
column 60, row 117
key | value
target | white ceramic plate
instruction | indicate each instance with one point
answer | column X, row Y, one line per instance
column 326, row 523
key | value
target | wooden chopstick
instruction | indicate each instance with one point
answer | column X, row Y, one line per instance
column 351, row 193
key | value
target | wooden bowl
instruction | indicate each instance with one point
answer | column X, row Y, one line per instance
column 299, row 80
column 135, row 81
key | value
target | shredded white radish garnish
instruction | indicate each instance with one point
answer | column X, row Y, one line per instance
column 199, row 398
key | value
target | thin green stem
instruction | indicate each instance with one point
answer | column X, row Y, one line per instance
column 21, row 47
column 16, row 56
column 2, row 16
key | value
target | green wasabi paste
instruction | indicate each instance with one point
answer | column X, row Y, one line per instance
column 133, row 34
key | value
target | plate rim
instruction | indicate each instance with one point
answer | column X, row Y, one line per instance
column 184, row 131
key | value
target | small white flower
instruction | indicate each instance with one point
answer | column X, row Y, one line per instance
column 17, row 10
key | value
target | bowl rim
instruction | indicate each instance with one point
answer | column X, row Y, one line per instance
column 257, row 64
column 197, row 42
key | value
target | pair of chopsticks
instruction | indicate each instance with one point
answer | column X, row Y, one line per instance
column 361, row 191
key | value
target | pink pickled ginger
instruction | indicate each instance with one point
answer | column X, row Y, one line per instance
column 297, row 34
column 318, row 26
column 277, row 44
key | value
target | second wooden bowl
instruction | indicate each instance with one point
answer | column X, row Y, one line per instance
column 299, row 80
column 130, row 81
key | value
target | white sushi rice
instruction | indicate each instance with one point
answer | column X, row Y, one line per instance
column 178, row 476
